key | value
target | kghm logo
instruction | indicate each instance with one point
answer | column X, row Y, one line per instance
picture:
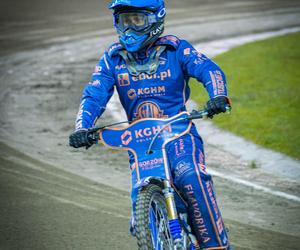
column 131, row 93
column 145, row 134
column 149, row 110
column 123, row 79
column 126, row 137
column 152, row 90
column 146, row 92
column 151, row 131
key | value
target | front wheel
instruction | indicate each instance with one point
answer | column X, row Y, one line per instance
column 152, row 229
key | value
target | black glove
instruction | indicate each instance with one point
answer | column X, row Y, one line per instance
column 217, row 105
column 81, row 138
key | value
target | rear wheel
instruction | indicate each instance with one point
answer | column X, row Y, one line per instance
column 152, row 229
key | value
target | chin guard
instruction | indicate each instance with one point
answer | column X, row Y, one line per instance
column 149, row 67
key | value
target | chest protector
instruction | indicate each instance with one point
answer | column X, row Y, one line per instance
column 150, row 67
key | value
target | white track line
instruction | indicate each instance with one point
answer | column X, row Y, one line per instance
column 217, row 47
column 254, row 186
column 70, row 202
column 81, row 189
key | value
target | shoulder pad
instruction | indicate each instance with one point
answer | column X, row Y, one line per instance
column 170, row 40
column 114, row 49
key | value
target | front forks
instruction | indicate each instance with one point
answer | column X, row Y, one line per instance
column 174, row 224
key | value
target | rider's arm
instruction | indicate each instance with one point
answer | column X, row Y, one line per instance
column 197, row 65
column 96, row 95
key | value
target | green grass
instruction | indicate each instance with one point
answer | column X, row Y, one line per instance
column 264, row 85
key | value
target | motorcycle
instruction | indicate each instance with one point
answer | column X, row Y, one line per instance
column 158, row 223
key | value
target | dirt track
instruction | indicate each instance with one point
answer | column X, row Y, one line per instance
column 47, row 54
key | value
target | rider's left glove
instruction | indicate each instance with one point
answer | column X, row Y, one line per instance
column 80, row 138
column 217, row 105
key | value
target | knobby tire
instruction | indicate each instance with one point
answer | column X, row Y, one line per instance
column 143, row 232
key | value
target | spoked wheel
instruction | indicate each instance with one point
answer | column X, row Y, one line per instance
column 152, row 229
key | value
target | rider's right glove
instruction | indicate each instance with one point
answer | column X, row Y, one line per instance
column 217, row 105
column 80, row 138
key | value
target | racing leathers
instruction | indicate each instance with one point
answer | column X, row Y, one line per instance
column 161, row 94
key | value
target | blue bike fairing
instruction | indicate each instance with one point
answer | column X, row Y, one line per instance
column 160, row 95
column 146, row 139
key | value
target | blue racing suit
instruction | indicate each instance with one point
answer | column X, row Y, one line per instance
column 164, row 94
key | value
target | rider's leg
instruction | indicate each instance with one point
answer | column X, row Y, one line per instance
column 186, row 159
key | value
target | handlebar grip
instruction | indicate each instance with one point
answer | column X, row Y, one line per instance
column 197, row 114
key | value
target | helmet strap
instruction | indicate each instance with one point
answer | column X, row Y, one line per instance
column 150, row 67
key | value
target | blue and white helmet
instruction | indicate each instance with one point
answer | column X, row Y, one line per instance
column 138, row 22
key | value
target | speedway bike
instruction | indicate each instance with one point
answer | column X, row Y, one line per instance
column 158, row 224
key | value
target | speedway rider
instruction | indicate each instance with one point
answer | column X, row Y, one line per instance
column 150, row 73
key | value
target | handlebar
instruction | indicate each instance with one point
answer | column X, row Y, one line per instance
column 203, row 113
column 93, row 133
column 197, row 114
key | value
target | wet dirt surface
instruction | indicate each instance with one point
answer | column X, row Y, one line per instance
column 47, row 53
column 43, row 207
column 49, row 208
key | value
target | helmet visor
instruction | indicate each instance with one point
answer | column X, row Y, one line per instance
column 138, row 21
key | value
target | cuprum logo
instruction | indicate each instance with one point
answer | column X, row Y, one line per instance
column 149, row 110
column 123, row 79
column 126, row 137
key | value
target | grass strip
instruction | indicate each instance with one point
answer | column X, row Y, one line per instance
column 264, row 85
